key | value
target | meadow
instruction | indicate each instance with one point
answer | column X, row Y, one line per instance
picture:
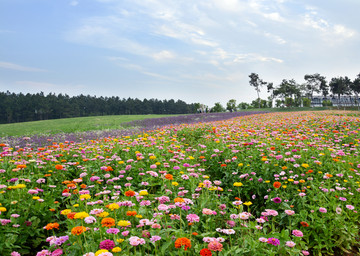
column 264, row 184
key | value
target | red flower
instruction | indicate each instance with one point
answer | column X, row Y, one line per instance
column 205, row 252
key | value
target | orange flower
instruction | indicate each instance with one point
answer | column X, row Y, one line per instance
column 131, row 213
column 71, row 185
column 277, row 184
column 109, row 168
column 71, row 215
column 169, row 177
column 52, row 226
column 304, row 224
column 83, row 186
column 78, row 230
column 130, row 193
column 108, row 222
column 194, row 233
column 21, row 166
column 52, row 210
column 59, row 167
column 179, row 200
column 183, row 241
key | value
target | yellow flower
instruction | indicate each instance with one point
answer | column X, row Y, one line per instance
column 284, row 186
column 2, row 209
column 65, row 212
column 241, row 164
column 86, row 196
column 206, row 177
column 124, row 223
column 290, row 180
column 248, row 203
column 113, row 206
column 175, row 183
column 152, row 157
column 201, row 185
column 103, row 214
column 76, row 205
column 116, row 249
column 97, row 253
column 120, row 162
column 267, row 181
column 36, row 197
column 237, row 184
column 120, row 240
column 305, row 165
column 81, row 215
column 139, row 216
column 158, row 163
column 143, row 193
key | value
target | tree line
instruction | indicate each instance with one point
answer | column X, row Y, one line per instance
column 289, row 93
column 32, row 107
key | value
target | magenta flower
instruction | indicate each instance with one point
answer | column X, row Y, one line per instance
column 273, row 241
column 277, row 200
column 107, row 244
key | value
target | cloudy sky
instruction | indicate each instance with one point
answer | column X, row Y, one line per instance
column 193, row 50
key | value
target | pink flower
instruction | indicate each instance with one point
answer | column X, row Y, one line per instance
column 14, row 253
column 207, row 211
column 193, row 218
column 297, row 233
column 135, row 241
column 290, row 244
column 305, row 252
column 350, row 207
column 323, row 210
column 289, row 212
column 57, row 252
column 215, row 246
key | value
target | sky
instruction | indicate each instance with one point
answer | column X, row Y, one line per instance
column 193, row 50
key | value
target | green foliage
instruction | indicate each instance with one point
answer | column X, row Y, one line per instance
column 327, row 103
column 306, row 102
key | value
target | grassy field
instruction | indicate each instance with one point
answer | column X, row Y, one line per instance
column 69, row 125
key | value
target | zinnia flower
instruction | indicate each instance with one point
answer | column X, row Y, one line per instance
column 108, row 222
column 107, row 244
column 183, row 241
column 273, row 241
column 277, row 184
column 215, row 246
column 78, row 230
column 205, row 252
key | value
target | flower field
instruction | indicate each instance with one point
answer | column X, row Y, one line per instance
column 266, row 184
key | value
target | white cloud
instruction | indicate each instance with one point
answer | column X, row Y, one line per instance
column 13, row 66
column 275, row 38
column 163, row 55
column 275, row 16
column 74, row 3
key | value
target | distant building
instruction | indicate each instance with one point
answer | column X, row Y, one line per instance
column 344, row 101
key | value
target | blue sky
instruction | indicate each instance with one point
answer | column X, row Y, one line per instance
column 197, row 51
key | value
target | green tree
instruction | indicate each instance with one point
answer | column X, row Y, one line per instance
column 231, row 105
column 256, row 82
column 217, row 108
column 340, row 86
column 315, row 83
column 243, row 105
column 355, row 87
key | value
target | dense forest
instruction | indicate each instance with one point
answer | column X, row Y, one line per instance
column 31, row 107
